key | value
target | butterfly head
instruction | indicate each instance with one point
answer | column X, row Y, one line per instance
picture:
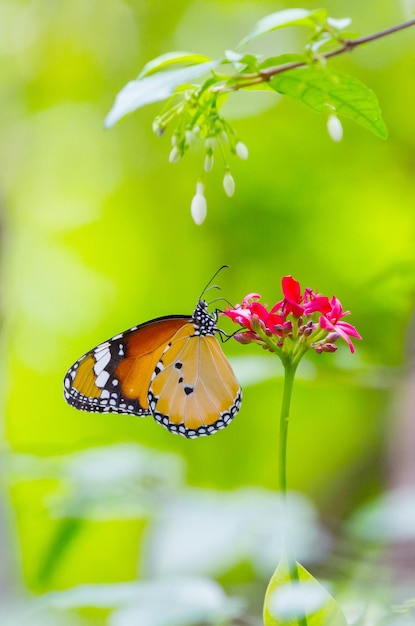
column 204, row 322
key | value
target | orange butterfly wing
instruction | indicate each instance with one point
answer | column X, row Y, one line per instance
column 115, row 376
column 196, row 392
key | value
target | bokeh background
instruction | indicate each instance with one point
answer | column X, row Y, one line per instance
column 96, row 236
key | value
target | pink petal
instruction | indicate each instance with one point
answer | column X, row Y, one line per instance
column 319, row 303
column 291, row 289
column 274, row 320
column 250, row 296
column 258, row 309
column 277, row 307
column 349, row 329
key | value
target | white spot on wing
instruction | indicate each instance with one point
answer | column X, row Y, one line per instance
column 102, row 379
column 102, row 347
column 102, row 360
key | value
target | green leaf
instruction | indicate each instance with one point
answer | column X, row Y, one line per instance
column 282, row 19
column 171, row 58
column 242, row 62
column 327, row 91
column 295, row 595
column 159, row 86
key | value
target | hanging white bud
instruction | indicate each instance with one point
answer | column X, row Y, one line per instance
column 174, row 140
column 196, row 129
column 224, row 136
column 174, row 155
column 198, row 208
column 158, row 127
column 229, row 184
column 211, row 143
column 335, row 128
column 190, row 137
column 241, row 151
column 209, row 161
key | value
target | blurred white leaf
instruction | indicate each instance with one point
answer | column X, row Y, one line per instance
column 207, row 533
column 183, row 602
column 151, row 603
column 389, row 518
column 110, row 482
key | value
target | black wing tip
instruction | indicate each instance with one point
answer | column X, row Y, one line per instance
column 97, row 405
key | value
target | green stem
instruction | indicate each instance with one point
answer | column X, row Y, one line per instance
column 289, row 375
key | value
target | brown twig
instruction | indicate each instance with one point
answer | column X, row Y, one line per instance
column 347, row 46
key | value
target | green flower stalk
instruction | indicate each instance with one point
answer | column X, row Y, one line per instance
column 297, row 323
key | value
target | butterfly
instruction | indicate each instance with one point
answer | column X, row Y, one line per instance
column 172, row 368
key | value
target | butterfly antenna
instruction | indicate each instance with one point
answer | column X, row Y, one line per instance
column 209, row 285
column 221, row 299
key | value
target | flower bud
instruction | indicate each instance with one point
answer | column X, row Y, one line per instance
column 332, row 337
column 243, row 338
column 229, row 184
column 198, row 208
column 241, row 151
column 329, row 347
column 209, row 161
column 224, row 136
column 257, row 324
column 211, row 143
column 174, row 156
column 335, row 128
column 157, row 127
column 190, row 137
column 307, row 329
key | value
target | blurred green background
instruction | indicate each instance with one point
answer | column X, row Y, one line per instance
column 96, row 236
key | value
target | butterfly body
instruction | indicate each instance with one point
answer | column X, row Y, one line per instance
column 172, row 368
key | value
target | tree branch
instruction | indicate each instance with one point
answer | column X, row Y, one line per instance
column 348, row 46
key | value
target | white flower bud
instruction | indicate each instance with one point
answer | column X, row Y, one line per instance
column 224, row 136
column 190, row 137
column 229, row 184
column 174, row 140
column 209, row 162
column 156, row 126
column 211, row 143
column 335, row 128
column 198, row 208
column 241, row 151
column 196, row 129
column 174, row 155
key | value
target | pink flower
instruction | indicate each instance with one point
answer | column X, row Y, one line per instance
column 293, row 319
column 331, row 322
